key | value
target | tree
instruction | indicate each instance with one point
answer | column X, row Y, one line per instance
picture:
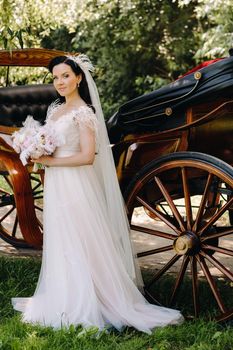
column 137, row 45
column 215, row 29
column 24, row 23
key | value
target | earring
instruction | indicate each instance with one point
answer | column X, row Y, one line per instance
column 78, row 84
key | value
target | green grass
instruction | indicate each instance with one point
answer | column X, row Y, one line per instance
column 18, row 277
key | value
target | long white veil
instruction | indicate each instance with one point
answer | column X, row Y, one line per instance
column 105, row 170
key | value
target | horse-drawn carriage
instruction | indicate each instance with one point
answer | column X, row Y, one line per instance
column 173, row 152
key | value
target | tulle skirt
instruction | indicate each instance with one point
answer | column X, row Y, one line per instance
column 82, row 279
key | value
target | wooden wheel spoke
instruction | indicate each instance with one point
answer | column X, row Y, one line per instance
column 170, row 203
column 160, row 215
column 38, row 208
column 40, row 224
column 218, row 265
column 36, row 197
column 8, row 181
column 216, row 216
column 36, row 186
column 212, row 284
column 2, row 190
column 203, row 202
column 187, row 198
column 179, row 279
column 7, row 214
column 15, row 226
column 155, row 251
column 222, row 233
column 218, row 249
column 196, row 303
column 151, row 297
column 171, row 262
column 163, row 209
column 153, row 232
column 34, row 178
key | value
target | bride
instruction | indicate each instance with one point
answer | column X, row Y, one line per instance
column 88, row 274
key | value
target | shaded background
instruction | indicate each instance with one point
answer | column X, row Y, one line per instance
column 136, row 45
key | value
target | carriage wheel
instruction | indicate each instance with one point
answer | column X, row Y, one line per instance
column 20, row 202
column 10, row 230
column 191, row 246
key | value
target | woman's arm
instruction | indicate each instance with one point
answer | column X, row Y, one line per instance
column 85, row 156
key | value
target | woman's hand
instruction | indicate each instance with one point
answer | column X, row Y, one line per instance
column 45, row 160
column 85, row 156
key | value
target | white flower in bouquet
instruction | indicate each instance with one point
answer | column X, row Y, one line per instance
column 34, row 140
column 22, row 138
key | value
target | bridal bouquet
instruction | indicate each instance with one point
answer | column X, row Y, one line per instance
column 34, row 140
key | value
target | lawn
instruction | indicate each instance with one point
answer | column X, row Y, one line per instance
column 18, row 277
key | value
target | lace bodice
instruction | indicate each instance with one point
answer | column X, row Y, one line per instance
column 68, row 127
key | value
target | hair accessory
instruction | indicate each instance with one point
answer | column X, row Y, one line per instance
column 82, row 61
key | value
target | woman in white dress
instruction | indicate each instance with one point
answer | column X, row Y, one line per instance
column 88, row 274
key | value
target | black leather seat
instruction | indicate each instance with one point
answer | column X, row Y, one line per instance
column 17, row 102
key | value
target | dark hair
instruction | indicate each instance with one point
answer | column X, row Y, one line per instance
column 83, row 87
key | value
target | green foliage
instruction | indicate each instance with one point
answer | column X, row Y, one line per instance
column 137, row 45
column 60, row 39
column 7, row 34
column 215, row 29
column 24, row 75
column 24, row 23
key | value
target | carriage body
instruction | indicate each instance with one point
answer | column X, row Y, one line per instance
column 208, row 129
column 173, row 153
column 191, row 114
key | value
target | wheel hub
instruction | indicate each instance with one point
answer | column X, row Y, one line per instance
column 187, row 243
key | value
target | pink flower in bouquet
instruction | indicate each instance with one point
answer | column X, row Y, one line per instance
column 34, row 140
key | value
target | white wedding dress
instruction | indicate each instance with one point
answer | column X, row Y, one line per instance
column 82, row 278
